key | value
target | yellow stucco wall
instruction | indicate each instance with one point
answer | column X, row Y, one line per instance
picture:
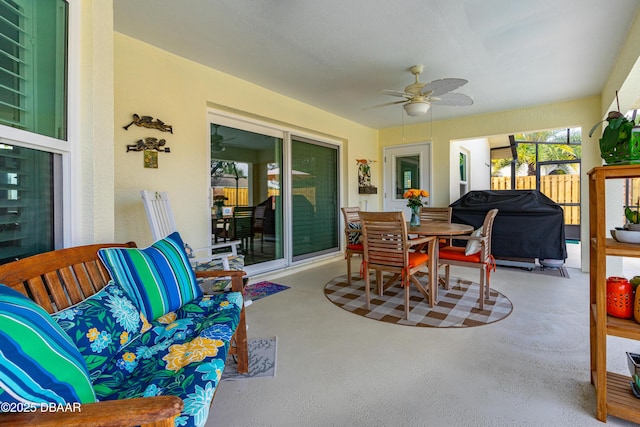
column 89, row 209
column 150, row 81
column 583, row 113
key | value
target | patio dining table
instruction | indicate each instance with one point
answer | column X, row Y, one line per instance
column 438, row 229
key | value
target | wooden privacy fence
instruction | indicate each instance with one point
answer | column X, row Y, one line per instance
column 562, row 189
column 242, row 198
column 239, row 198
column 633, row 189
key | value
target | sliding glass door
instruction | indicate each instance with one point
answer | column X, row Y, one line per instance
column 314, row 198
column 245, row 193
column 275, row 192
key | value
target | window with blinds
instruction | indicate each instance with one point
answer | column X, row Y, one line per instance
column 33, row 47
column 27, row 202
column 33, row 87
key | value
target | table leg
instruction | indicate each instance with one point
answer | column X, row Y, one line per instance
column 433, row 271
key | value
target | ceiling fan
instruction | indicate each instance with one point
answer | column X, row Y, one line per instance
column 218, row 141
column 419, row 96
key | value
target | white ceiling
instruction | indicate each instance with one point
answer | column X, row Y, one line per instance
column 337, row 54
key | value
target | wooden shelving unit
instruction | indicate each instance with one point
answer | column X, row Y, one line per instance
column 613, row 392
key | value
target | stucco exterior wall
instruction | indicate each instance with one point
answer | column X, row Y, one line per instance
column 150, row 81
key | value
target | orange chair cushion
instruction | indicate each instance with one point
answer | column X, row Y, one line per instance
column 417, row 258
column 455, row 253
column 356, row 247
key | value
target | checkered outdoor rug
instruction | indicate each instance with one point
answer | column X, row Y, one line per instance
column 457, row 307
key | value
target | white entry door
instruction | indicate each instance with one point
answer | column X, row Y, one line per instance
column 405, row 167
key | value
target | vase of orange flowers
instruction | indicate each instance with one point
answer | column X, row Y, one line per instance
column 414, row 201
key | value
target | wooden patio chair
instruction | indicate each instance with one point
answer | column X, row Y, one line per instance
column 258, row 223
column 436, row 214
column 353, row 237
column 162, row 223
column 241, row 227
column 477, row 254
column 386, row 249
column 442, row 214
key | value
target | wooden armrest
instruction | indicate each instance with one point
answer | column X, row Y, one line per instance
column 482, row 239
column 232, row 244
column 237, row 276
column 421, row 240
column 158, row 411
column 219, row 273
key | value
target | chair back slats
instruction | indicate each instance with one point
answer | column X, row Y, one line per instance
column 487, row 230
column 59, row 279
column 242, row 222
column 386, row 250
column 81, row 272
column 258, row 218
column 71, row 282
column 436, row 214
column 61, row 292
column 98, row 276
column 350, row 214
column 37, row 291
column 352, row 239
column 385, row 239
column 159, row 213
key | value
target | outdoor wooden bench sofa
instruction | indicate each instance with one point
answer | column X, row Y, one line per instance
column 64, row 278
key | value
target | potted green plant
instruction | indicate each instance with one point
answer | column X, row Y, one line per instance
column 633, row 217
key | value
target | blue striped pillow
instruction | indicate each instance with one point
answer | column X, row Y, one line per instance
column 38, row 361
column 159, row 279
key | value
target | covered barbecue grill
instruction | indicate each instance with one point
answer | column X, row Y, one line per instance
column 529, row 225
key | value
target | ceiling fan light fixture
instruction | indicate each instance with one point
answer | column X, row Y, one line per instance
column 416, row 108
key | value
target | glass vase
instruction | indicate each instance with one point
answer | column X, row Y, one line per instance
column 219, row 210
column 415, row 216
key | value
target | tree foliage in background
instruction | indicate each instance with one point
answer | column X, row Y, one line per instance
column 219, row 168
column 556, row 148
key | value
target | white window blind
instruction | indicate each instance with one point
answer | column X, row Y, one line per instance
column 14, row 60
column 33, row 81
column 33, row 47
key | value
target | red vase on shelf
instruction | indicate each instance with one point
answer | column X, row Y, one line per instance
column 619, row 297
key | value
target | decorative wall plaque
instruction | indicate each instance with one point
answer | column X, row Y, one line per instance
column 364, row 177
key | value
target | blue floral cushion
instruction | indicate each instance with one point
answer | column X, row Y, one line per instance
column 38, row 361
column 182, row 354
column 159, row 279
column 102, row 325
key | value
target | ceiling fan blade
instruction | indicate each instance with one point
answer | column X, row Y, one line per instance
column 396, row 93
column 385, row 104
column 219, row 139
column 442, row 86
column 452, row 99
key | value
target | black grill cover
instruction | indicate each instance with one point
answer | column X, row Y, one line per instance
column 528, row 225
